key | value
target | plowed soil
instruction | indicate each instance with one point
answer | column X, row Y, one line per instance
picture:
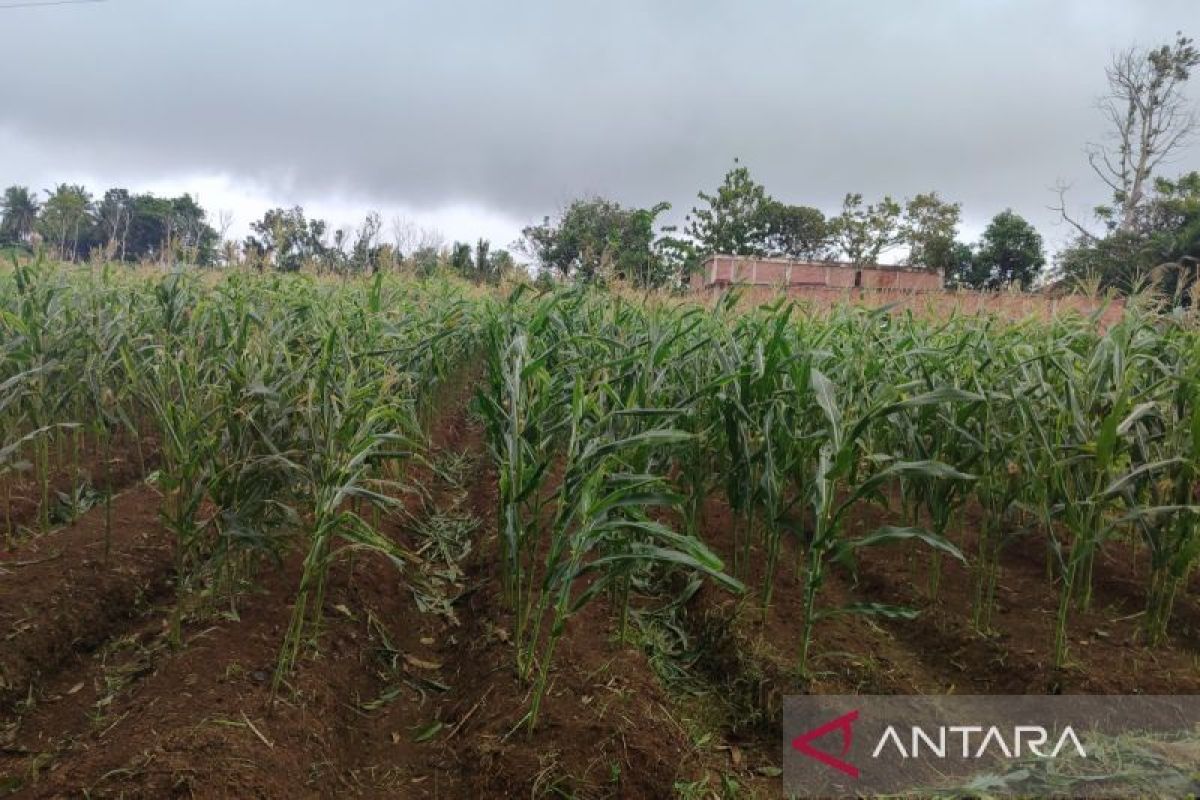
column 393, row 702
column 401, row 698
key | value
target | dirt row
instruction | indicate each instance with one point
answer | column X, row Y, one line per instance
column 397, row 699
column 751, row 655
column 70, row 473
column 61, row 599
column 411, row 690
column 1106, row 652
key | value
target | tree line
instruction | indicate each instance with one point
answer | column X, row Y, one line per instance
column 120, row 225
column 1148, row 232
column 598, row 239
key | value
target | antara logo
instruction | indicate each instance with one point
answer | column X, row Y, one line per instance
column 936, row 742
column 844, row 724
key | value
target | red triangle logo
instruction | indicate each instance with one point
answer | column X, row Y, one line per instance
column 844, row 723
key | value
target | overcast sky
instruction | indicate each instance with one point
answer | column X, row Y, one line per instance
column 479, row 117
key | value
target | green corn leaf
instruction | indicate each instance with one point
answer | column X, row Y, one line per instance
column 890, row 533
column 871, row 610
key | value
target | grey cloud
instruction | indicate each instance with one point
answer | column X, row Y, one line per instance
column 519, row 106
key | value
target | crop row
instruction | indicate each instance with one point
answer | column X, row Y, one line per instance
column 282, row 408
column 610, row 418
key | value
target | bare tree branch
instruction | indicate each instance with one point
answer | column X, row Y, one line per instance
column 1150, row 120
column 1061, row 188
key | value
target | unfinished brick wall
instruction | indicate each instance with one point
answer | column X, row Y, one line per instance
column 785, row 273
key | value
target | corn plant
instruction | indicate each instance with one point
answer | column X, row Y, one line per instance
column 1083, row 451
column 601, row 527
column 579, row 420
column 181, row 398
column 838, row 485
column 1162, row 493
column 347, row 435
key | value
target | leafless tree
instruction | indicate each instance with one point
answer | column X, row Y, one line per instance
column 224, row 223
column 1149, row 119
column 231, row 253
column 404, row 235
column 430, row 239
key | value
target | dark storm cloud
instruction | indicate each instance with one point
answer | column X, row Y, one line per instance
column 519, row 106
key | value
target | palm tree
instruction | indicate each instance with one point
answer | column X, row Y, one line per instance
column 18, row 214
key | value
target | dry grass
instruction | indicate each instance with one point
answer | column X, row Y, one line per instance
column 941, row 305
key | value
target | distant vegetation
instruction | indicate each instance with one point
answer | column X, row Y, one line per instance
column 1149, row 232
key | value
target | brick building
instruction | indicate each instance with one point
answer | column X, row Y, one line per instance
column 719, row 271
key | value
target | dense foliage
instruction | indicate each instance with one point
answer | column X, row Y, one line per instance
column 282, row 408
column 608, row 417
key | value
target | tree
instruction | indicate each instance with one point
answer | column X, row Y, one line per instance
column 115, row 215
column 595, row 239
column 189, row 237
column 460, row 259
column 1163, row 247
column 735, row 219
column 929, row 228
column 863, row 233
column 799, row 232
column 1149, row 119
column 66, row 219
column 483, row 261
column 286, row 238
column 426, row 259
column 959, row 270
column 1174, row 246
column 405, row 236
column 1009, row 254
column 147, row 232
column 366, row 253
column 503, row 265
column 18, row 214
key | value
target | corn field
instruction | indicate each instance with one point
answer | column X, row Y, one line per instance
column 286, row 420
column 279, row 410
column 1067, row 437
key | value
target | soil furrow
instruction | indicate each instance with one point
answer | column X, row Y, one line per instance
column 60, row 599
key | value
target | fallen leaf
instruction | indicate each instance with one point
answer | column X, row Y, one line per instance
column 427, row 732
column 74, row 689
column 420, row 663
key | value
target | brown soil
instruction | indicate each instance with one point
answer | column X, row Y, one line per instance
column 751, row 655
column 60, row 600
column 109, row 709
column 396, row 701
column 24, row 491
column 1105, row 652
